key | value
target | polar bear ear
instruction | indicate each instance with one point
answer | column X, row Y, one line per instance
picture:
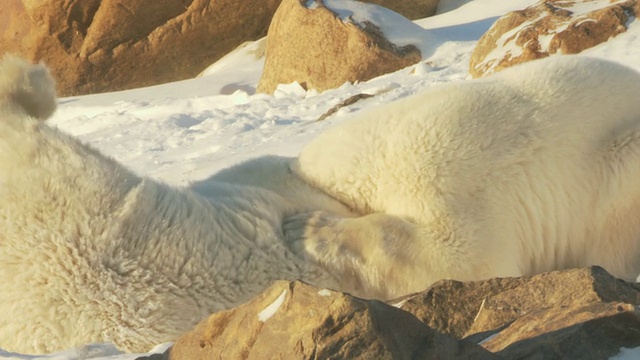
column 27, row 86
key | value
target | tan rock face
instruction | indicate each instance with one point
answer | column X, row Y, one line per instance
column 411, row 9
column 463, row 309
column 320, row 51
column 104, row 45
column 550, row 27
column 299, row 321
column 573, row 314
column 591, row 331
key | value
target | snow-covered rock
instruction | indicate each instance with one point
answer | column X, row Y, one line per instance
column 321, row 44
column 550, row 27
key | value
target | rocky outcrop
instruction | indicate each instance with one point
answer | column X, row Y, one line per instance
column 411, row 9
column 463, row 309
column 312, row 44
column 298, row 321
column 572, row 314
column 104, row 45
column 592, row 331
column 550, row 27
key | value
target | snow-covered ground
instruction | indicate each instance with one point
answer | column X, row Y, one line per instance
column 185, row 131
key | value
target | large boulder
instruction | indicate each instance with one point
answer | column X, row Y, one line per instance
column 592, row 331
column 463, row 309
column 573, row 314
column 550, row 27
column 322, row 47
column 104, row 45
column 411, row 9
column 293, row 320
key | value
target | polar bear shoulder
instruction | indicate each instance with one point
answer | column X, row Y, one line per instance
column 532, row 169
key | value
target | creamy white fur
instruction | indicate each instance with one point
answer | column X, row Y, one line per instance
column 90, row 252
column 536, row 168
column 533, row 169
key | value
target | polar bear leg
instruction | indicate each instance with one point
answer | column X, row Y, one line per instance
column 387, row 256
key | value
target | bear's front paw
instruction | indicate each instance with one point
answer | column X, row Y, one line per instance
column 311, row 233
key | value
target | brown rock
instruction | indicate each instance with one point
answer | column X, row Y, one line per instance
column 411, row 9
column 296, row 321
column 463, row 309
column 550, row 27
column 314, row 47
column 592, row 331
column 104, row 45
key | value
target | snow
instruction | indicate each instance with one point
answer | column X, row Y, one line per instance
column 394, row 26
column 627, row 354
column 102, row 351
column 184, row 131
column 271, row 310
column 325, row 292
column 579, row 8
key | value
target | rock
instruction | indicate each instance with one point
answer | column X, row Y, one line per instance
column 592, row 331
column 550, row 27
column 310, row 43
column 344, row 103
column 411, row 9
column 463, row 309
column 292, row 320
column 105, row 45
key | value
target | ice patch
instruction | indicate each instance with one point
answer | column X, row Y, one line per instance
column 400, row 304
column 627, row 354
column 488, row 338
column 324, row 292
column 270, row 310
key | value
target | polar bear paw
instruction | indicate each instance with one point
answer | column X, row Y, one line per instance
column 322, row 236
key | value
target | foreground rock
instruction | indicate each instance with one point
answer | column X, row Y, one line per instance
column 462, row 309
column 310, row 43
column 550, row 27
column 573, row 314
column 592, row 331
column 298, row 321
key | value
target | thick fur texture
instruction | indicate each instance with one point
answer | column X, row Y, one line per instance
column 90, row 252
column 536, row 168
column 533, row 169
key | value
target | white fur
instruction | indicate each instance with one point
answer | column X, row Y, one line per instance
column 536, row 168
column 90, row 252
column 529, row 170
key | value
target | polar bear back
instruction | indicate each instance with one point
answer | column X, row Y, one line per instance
column 446, row 133
column 533, row 157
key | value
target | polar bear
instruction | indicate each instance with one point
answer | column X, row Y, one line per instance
column 529, row 170
column 90, row 252
column 536, row 168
